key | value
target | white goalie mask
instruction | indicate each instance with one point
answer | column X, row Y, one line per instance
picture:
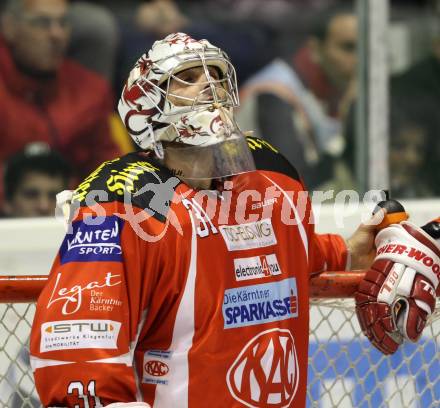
column 153, row 114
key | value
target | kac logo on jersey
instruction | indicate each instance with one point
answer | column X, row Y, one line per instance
column 256, row 234
column 256, row 267
column 156, row 366
column 258, row 304
column 91, row 243
column 265, row 373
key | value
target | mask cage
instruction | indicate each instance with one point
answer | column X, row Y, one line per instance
column 223, row 91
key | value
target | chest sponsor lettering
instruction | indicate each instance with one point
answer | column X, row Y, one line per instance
column 256, row 234
column 258, row 304
column 93, row 243
column 256, row 267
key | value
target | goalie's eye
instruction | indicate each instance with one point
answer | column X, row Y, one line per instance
column 197, row 74
column 214, row 73
column 187, row 76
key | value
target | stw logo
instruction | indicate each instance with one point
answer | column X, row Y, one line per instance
column 156, row 368
column 265, row 374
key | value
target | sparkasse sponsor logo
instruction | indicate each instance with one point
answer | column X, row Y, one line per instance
column 258, row 304
column 256, row 267
column 93, row 242
column 79, row 334
column 256, row 234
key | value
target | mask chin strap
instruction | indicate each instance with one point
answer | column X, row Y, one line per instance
column 158, row 150
column 169, row 134
column 157, row 144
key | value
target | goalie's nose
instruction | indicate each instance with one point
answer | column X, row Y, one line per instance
column 217, row 95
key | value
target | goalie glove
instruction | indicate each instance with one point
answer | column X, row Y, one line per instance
column 397, row 295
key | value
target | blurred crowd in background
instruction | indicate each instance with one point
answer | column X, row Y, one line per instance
column 63, row 65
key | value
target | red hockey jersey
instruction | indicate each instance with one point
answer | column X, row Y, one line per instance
column 182, row 298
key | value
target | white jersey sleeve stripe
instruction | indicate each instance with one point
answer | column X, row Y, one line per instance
column 37, row 363
column 302, row 231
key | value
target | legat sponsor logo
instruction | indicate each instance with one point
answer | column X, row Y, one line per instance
column 71, row 297
column 79, row 334
column 156, row 367
column 100, row 242
column 256, row 267
column 265, row 373
column 411, row 253
column 100, row 301
column 258, row 304
column 256, row 234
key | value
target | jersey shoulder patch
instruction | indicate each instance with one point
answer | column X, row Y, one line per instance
column 268, row 158
column 135, row 178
